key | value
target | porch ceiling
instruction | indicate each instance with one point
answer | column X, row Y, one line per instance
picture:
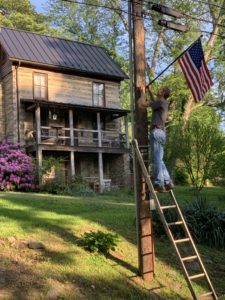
column 115, row 112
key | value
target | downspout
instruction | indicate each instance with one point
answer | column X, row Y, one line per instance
column 18, row 102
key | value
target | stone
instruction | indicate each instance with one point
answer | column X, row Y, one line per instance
column 177, row 286
column 53, row 293
column 2, row 280
column 35, row 245
column 193, row 265
column 11, row 240
column 208, row 261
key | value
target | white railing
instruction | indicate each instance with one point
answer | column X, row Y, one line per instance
column 58, row 135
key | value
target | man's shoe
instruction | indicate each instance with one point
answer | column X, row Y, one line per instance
column 159, row 188
column 169, row 186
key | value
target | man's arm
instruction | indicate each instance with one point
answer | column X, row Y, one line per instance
column 142, row 101
column 149, row 88
column 154, row 104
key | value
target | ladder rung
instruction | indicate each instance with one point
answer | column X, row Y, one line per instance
column 206, row 294
column 197, row 276
column 189, row 258
column 175, row 223
column 181, row 241
column 168, row 207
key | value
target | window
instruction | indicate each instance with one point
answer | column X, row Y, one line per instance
column 40, row 86
column 98, row 94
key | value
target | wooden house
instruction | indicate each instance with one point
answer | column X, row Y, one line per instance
column 62, row 98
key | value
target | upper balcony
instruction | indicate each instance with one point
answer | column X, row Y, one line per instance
column 59, row 135
column 77, row 128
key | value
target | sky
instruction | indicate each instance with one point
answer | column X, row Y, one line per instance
column 38, row 4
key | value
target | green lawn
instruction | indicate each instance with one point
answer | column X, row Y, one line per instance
column 214, row 195
column 63, row 270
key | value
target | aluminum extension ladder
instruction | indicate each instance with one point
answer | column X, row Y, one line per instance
column 177, row 242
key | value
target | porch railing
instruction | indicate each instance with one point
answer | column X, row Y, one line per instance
column 57, row 135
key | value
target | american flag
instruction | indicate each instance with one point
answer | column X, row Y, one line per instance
column 195, row 70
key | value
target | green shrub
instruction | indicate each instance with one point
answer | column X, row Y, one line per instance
column 75, row 186
column 54, row 186
column 180, row 176
column 206, row 223
column 99, row 241
column 78, row 186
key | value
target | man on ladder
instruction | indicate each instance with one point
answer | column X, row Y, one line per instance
column 162, row 181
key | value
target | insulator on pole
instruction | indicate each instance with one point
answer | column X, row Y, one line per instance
column 167, row 11
column 173, row 26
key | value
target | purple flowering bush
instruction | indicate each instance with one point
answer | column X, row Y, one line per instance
column 16, row 170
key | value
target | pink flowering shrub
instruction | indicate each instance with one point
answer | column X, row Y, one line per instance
column 16, row 171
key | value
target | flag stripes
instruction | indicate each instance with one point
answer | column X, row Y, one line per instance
column 195, row 70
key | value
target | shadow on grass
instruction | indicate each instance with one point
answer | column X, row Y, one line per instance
column 114, row 217
column 122, row 263
column 21, row 282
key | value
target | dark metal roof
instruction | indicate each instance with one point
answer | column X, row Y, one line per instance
column 46, row 103
column 42, row 50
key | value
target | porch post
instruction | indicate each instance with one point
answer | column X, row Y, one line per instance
column 38, row 124
column 39, row 157
column 100, row 172
column 72, row 163
column 38, row 142
column 99, row 129
column 100, row 159
column 126, row 131
column 71, row 128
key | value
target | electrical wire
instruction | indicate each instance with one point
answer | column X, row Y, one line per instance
column 144, row 17
column 106, row 7
column 97, row 5
column 208, row 32
column 187, row 15
column 199, row 1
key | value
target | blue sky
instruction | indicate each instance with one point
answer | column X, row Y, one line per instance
column 38, row 4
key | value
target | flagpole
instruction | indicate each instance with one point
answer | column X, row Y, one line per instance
column 153, row 80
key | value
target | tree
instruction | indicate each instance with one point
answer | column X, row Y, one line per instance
column 166, row 45
column 200, row 144
column 21, row 14
column 107, row 27
column 91, row 24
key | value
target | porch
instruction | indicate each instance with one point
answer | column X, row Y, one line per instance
column 62, row 124
column 76, row 129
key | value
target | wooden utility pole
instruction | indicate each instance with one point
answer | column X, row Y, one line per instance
column 144, row 225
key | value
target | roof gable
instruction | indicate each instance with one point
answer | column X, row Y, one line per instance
column 42, row 50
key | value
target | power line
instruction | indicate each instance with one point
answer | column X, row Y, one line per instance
column 203, row 2
column 215, row 5
column 187, row 15
column 207, row 32
column 124, row 11
column 103, row 6
column 96, row 5
column 148, row 14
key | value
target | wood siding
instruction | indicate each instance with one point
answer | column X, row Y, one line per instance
column 9, row 129
column 68, row 88
column 6, row 99
column 61, row 88
column 2, row 114
column 5, row 69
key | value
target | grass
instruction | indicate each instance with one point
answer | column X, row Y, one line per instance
column 63, row 270
column 214, row 195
